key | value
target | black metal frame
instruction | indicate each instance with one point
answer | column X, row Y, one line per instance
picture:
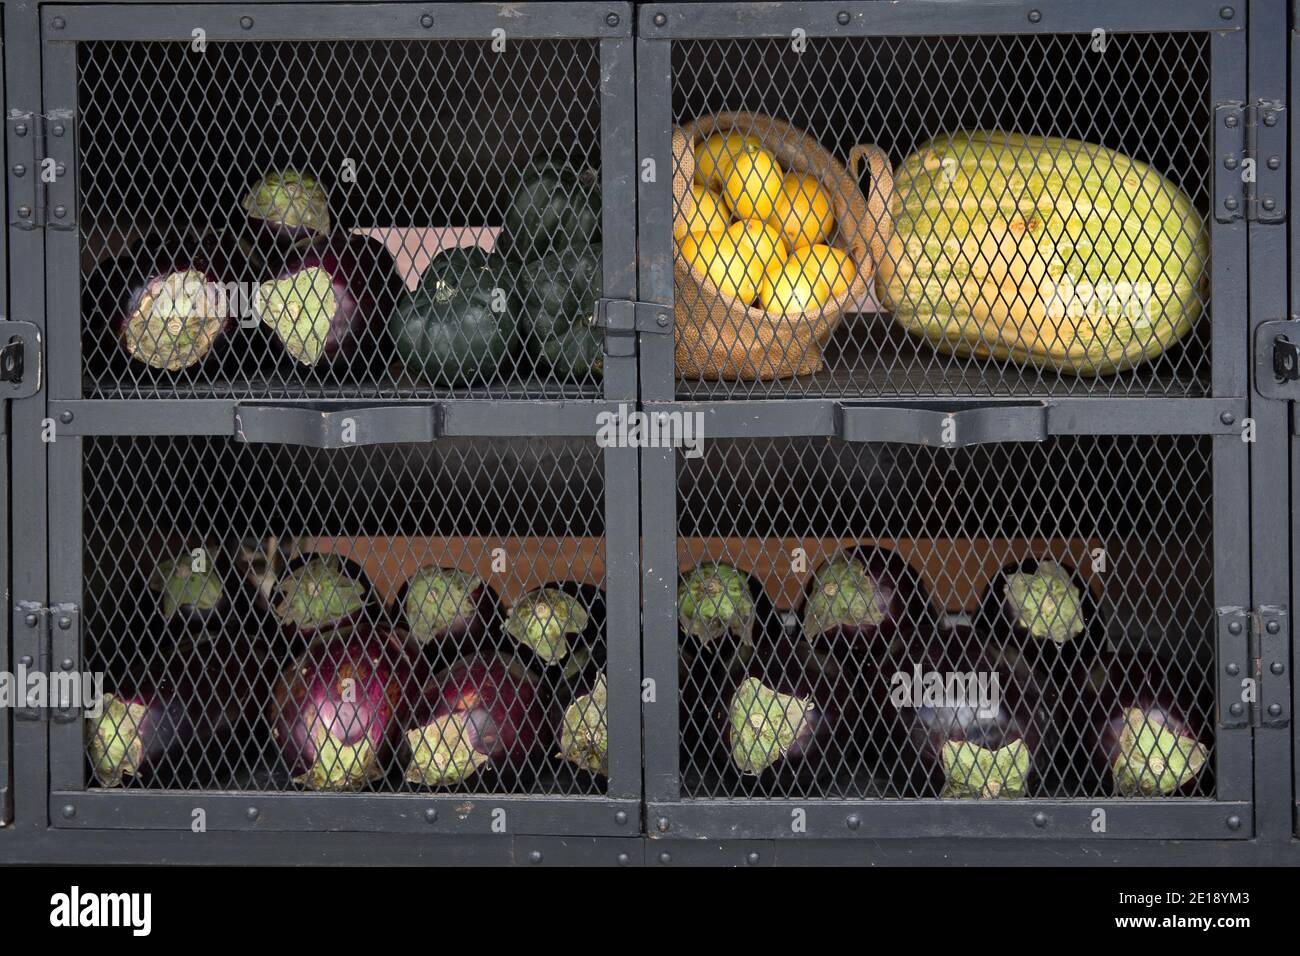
column 37, row 74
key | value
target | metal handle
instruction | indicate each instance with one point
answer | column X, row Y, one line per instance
column 325, row 426
column 947, row 426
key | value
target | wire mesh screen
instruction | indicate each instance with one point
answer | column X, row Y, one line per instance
column 358, row 218
column 892, row 621
column 416, row 618
column 955, row 215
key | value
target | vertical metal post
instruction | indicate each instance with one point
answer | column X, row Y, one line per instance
column 655, row 202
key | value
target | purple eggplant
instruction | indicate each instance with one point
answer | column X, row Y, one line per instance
column 864, row 599
column 1046, row 610
column 1149, row 731
column 448, row 613
column 327, row 304
column 286, row 207
column 174, row 724
column 164, row 308
column 559, row 631
column 337, row 712
column 482, row 712
column 319, row 593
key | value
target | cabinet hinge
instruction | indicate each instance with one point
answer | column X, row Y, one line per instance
column 1250, row 155
column 46, row 689
column 1253, row 688
column 41, row 191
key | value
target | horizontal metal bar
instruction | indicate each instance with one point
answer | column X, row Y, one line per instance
column 1065, row 416
column 337, row 21
column 398, row 813
column 329, row 427
column 677, row 21
column 460, row 418
column 1030, row 819
column 940, row 425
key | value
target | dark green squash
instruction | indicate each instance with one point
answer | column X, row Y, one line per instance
column 461, row 324
column 554, row 205
column 560, row 291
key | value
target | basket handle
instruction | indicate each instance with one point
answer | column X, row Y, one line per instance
column 880, row 224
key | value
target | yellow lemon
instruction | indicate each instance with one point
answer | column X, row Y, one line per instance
column 803, row 210
column 716, row 256
column 710, row 214
column 714, row 156
column 760, row 241
column 753, row 184
column 788, row 288
column 828, row 264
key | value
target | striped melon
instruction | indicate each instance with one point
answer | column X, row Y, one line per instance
column 1048, row 251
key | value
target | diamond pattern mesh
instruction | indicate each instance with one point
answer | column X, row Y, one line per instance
column 239, row 657
column 854, row 584
column 998, row 262
column 277, row 219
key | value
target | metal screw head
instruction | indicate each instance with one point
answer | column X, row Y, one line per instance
column 1269, row 204
column 665, row 857
column 65, row 664
column 1035, row 16
column 535, row 856
column 612, row 19
column 57, row 129
column 1236, row 710
column 21, row 129
column 1233, row 670
column 60, row 212
column 1234, row 627
column 842, row 18
column 66, row 416
column 1277, row 668
column 1230, row 120
column 246, row 22
column 661, row 19
column 662, row 824
column 1230, row 162
column 1227, row 418
column 752, row 859
column 68, row 811
column 1234, row 822
column 58, row 23
column 24, row 211
column 1273, row 627
column 426, row 20
column 65, row 622
column 1230, row 202
column 1227, row 13
column 853, row 821
column 252, row 813
column 624, row 859
column 1270, row 119
column 662, row 320
column 30, row 620
column 1274, row 710
column 1040, row 819
column 620, row 817
column 20, row 169
column 1274, row 162
column 430, row 814
column 25, row 660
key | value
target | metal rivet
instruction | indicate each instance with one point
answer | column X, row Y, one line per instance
column 66, row 416
column 21, row 129
column 1234, row 627
column 1277, row 667
column 620, row 817
column 662, row 824
column 751, row 859
column 535, row 856
column 1230, row 120
column 1233, row 670
column 58, row 23
column 665, row 857
column 662, row 320
column 65, row 622
column 1236, row 710
column 1040, row 819
column 65, row 664
column 30, row 620
column 1272, row 627
column 842, row 18
column 1230, row 202
column 1227, row 13
column 25, row 660
column 612, row 19
column 19, row 169
column 1230, row 162
column 853, row 821
column 246, row 22
column 1269, row 204
column 661, row 19
column 68, row 811
column 1227, row 418
column 1035, row 16
column 24, row 211
column 426, row 20
column 430, row 814
column 1270, row 119
column 1274, row 162
column 1274, row 710
column 624, row 859
column 1234, row 822
column 60, row 212
column 252, row 813
column 57, row 129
